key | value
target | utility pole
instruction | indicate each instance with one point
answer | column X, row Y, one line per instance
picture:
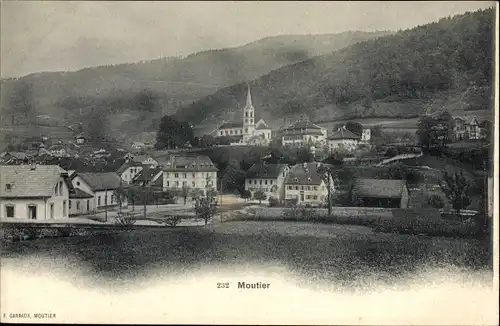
column 220, row 209
column 106, row 204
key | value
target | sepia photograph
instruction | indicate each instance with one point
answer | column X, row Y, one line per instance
column 249, row 162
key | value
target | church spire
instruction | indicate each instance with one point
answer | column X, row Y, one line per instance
column 249, row 97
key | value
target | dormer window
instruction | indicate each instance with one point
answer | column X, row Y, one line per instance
column 296, row 179
column 8, row 187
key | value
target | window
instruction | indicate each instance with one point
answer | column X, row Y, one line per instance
column 289, row 187
column 184, row 183
column 99, row 201
column 9, row 210
column 296, row 187
column 70, row 204
column 177, row 184
column 194, row 175
column 308, row 197
column 57, row 189
column 64, row 208
column 176, row 175
column 249, row 182
column 193, row 184
column 88, row 205
column 270, row 182
column 8, row 187
column 315, row 188
column 77, row 205
column 301, row 187
column 168, row 184
column 265, row 182
column 184, row 175
column 60, row 188
column 260, row 181
column 308, row 188
column 78, row 183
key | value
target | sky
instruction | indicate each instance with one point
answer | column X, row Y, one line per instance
column 69, row 35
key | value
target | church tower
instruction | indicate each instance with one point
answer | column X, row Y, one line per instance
column 248, row 118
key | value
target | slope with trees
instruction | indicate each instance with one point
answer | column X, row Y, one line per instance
column 453, row 56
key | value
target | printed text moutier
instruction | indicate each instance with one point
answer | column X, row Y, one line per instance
column 256, row 285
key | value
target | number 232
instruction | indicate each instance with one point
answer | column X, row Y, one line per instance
column 223, row 285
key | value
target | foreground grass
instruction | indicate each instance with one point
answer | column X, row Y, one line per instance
column 338, row 253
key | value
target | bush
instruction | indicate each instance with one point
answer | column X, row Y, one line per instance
column 436, row 201
column 171, row 221
column 125, row 219
column 273, row 202
column 426, row 226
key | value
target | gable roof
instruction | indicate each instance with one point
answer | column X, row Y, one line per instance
column 379, row 188
column 265, row 170
column 151, row 173
column 261, row 125
column 303, row 124
column 231, row 125
column 79, row 193
column 25, row 182
column 343, row 134
column 126, row 165
column 189, row 163
column 304, row 174
column 100, row 180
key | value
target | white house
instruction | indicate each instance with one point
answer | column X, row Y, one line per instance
column 36, row 192
column 303, row 133
column 103, row 186
column 144, row 160
column 343, row 139
column 366, row 135
column 268, row 178
column 81, row 203
column 57, row 150
column 129, row 170
column 305, row 185
column 191, row 171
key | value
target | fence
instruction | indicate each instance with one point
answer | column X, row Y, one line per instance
column 351, row 212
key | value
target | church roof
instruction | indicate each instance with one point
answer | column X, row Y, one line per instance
column 231, row 125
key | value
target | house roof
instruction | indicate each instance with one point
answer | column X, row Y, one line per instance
column 141, row 158
column 265, row 170
column 25, row 182
column 303, row 124
column 150, row 175
column 343, row 134
column 468, row 119
column 231, row 125
column 304, row 174
column 189, row 163
column 379, row 188
column 78, row 193
column 127, row 165
column 100, row 180
column 261, row 125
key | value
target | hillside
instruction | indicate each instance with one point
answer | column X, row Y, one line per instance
column 443, row 65
column 173, row 82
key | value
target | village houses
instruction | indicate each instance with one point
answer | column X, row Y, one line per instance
column 343, row 139
column 466, row 128
column 305, row 185
column 303, row 133
column 35, row 192
column 189, row 171
column 129, row 170
column 268, row 178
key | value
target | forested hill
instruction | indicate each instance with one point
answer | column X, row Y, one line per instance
column 451, row 58
column 173, row 81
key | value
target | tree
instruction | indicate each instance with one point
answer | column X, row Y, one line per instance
column 133, row 195
column 304, row 155
column 328, row 175
column 185, row 192
column 354, row 127
column 457, row 189
column 246, row 194
column 260, row 196
column 233, row 179
column 173, row 134
column 425, row 131
column 377, row 137
column 121, row 195
column 436, row 201
column 205, row 205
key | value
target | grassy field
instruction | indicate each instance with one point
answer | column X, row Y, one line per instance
column 334, row 253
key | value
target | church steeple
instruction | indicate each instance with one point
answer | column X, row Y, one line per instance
column 249, row 98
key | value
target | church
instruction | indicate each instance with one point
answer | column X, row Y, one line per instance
column 246, row 132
